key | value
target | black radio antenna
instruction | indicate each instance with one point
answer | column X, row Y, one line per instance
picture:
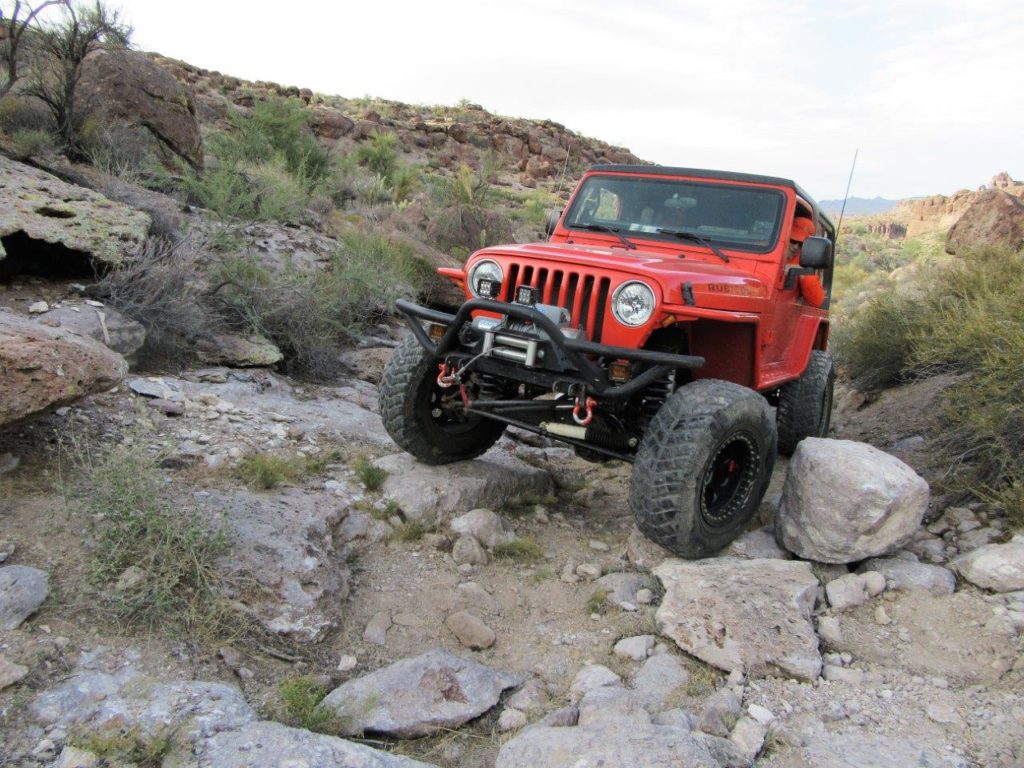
column 846, row 197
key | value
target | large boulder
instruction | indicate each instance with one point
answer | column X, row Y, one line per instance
column 22, row 591
column 845, row 501
column 999, row 567
column 748, row 615
column 122, row 85
column 43, row 367
column 417, row 697
column 994, row 218
column 37, row 206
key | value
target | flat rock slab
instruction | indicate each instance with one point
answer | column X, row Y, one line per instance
column 418, row 696
column 103, row 324
column 46, row 208
column 615, row 741
column 999, row 567
column 22, row 591
column 272, row 745
column 952, row 636
column 96, row 701
column 428, row 493
column 47, row 367
column 748, row 615
column 286, row 543
column 845, row 501
column 859, row 749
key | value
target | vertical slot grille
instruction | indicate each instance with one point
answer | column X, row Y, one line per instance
column 584, row 295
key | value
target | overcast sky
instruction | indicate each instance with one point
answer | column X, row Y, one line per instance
column 929, row 91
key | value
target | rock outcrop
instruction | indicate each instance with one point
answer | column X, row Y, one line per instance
column 845, row 501
column 999, row 567
column 104, row 324
column 748, row 615
column 418, row 696
column 128, row 86
column 43, row 367
column 22, row 591
column 43, row 208
column 995, row 218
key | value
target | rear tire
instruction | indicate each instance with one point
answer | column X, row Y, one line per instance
column 703, row 467
column 805, row 405
column 410, row 401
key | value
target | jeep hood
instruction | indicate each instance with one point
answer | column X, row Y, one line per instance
column 713, row 285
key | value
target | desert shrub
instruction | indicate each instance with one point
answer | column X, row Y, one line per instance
column 118, row 149
column 520, row 550
column 24, row 113
column 31, row 142
column 379, row 154
column 264, row 471
column 965, row 318
column 372, row 477
column 311, row 314
column 160, row 287
column 268, row 167
column 465, row 219
column 169, row 545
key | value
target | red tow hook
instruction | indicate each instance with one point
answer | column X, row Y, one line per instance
column 589, row 404
column 447, row 376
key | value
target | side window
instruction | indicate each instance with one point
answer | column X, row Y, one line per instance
column 601, row 204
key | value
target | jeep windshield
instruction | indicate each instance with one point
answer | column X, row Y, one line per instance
column 735, row 217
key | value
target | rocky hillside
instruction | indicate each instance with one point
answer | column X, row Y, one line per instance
column 212, row 554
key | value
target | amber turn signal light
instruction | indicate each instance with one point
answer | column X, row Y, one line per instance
column 436, row 332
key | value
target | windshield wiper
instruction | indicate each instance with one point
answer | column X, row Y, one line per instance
column 603, row 228
column 694, row 237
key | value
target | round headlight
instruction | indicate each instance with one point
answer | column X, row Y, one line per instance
column 633, row 303
column 484, row 269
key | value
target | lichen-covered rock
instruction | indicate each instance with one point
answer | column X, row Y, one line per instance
column 417, row 696
column 845, row 501
column 42, row 367
column 45, row 208
column 238, row 351
column 748, row 615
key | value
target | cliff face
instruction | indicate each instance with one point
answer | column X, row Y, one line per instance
column 939, row 212
column 539, row 152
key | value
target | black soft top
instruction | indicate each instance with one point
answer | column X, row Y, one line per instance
column 703, row 173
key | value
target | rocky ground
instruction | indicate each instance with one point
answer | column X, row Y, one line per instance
column 443, row 641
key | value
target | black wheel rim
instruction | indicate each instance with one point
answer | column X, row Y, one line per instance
column 729, row 479
column 443, row 416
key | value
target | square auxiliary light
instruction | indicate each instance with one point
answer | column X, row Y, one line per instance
column 527, row 294
column 488, row 288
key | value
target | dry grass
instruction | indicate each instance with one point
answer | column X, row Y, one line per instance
column 522, row 550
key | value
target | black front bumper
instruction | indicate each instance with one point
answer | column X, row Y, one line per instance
column 575, row 360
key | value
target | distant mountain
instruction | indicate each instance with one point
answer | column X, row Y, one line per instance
column 858, row 206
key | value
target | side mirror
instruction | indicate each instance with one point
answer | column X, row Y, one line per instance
column 816, row 253
column 552, row 222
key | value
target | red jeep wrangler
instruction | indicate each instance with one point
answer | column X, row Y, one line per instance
column 668, row 311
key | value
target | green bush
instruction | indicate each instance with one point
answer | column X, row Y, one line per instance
column 466, row 218
column 967, row 318
column 31, row 142
column 268, row 166
column 311, row 314
column 379, row 154
column 170, row 547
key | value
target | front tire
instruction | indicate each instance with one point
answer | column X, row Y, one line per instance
column 805, row 405
column 411, row 407
column 703, row 467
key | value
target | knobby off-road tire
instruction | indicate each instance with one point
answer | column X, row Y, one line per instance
column 409, row 397
column 805, row 405
column 703, row 467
